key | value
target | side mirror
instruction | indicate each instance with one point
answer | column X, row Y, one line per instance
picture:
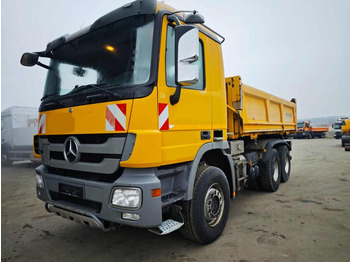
column 186, row 53
column 29, row 59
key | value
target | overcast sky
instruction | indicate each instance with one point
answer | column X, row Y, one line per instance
column 295, row 48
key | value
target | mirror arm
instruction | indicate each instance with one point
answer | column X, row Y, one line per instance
column 44, row 66
column 174, row 98
column 173, row 18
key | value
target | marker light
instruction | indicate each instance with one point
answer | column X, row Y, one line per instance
column 110, row 48
column 156, row 192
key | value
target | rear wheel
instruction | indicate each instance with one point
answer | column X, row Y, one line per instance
column 206, row 214
column 270, row 177
column 285, row 163
column 342, row 142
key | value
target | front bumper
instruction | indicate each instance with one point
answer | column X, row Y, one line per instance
column 99, row 193
column 337, row 135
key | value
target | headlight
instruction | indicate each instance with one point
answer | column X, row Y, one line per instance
column 126, row 197
column 39, row 181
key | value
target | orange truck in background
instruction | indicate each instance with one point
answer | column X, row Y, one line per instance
column 305, row 130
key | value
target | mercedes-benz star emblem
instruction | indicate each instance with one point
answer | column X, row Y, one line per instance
column 71, row 150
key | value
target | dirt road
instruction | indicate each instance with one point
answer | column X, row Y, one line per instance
column 308, row 219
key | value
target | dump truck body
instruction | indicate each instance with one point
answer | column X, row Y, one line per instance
column 150, row 136
column 253, row 112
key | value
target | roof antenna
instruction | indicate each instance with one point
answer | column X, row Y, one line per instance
column 82, row 25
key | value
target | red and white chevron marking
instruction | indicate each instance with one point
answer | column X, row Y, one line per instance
column 42, row 124
column 116, row 117
column 163, row 115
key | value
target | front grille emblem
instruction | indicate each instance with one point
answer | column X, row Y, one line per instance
column 71, row 150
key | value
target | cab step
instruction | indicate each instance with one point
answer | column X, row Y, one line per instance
column 166, row 227
column 170, row 225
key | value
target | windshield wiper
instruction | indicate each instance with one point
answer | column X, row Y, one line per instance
column 53, row 99
column 78, row 88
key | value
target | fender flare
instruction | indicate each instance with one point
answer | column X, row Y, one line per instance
column 223, row 145
column 272, row 143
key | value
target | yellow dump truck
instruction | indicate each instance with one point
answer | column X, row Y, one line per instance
column 345, row 131
column 138, row 126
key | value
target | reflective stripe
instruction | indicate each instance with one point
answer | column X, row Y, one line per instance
column 116, row 117
column 163, row 112
column 42, row 124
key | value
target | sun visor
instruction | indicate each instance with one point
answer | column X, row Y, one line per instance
column 140, row 7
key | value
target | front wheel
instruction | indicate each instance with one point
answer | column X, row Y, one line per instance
column 206, row 214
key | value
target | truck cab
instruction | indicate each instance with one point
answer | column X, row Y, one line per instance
column 117, row 133
column 18, row 125
column 337, row 127
column 303, row 130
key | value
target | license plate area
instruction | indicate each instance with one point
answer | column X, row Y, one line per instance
column 69, row 190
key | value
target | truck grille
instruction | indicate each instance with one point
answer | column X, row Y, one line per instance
column 108, row 178
column 92, row 155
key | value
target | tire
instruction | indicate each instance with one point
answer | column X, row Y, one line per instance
column 206, row 214
column 284, row 154
column 342, row 142
column 270, row 178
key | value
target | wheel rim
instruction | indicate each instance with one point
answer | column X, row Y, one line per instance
column 286, row 167
column 214, row 205
column 275, row 169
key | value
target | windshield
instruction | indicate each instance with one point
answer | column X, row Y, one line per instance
column 337, row 126
column 300, row 125
column 111, row 57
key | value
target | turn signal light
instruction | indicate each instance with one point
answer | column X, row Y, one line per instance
column 156, row 192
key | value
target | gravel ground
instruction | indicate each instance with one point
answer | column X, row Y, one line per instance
column 307, row 219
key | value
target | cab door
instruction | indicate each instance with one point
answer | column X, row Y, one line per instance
column 185, row 126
